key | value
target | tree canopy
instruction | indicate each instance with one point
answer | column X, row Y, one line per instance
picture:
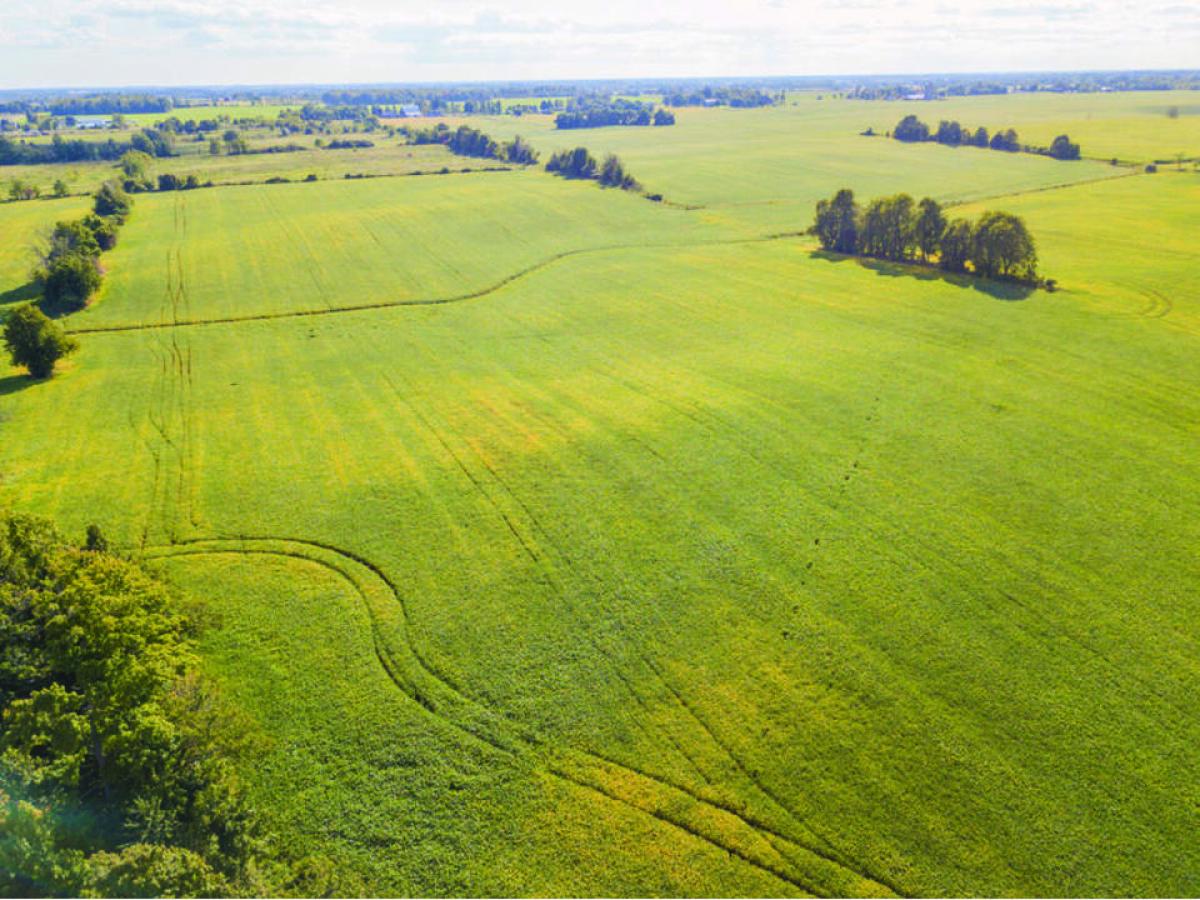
column 896, row 228
column 117, row 759
column 35, row 342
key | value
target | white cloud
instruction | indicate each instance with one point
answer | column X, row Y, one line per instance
column 59, row 42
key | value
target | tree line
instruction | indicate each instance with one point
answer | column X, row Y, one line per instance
column 898, row 228
column 468, row 141
column 118, row 758
column 737, row 97
column 579, row 163
column 67, row 272
column 613, row 112
column 60, row 150
column 912, row 130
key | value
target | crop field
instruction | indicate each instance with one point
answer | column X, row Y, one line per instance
column 769, row 166
column 22, row 224
column 660, row 552
column 387, row 157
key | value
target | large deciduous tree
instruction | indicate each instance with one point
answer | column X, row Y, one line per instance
column 1004, row 248
column 35, row 342
column 836, row 225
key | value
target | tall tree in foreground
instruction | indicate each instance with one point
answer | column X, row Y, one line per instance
column 36, row 342
column 117, row 775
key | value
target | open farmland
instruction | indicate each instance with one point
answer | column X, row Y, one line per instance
column 666, row 554
column 767, row 167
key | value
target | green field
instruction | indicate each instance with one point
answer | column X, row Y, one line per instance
column 389, row 156
column 767, row 167
column 671, row 556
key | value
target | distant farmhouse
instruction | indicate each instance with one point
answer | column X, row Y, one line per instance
column 410, row 111
column 93, row 121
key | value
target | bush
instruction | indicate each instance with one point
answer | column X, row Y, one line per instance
column 34, row 342
column 69, row 281
column 111, row 200
column 613, row 174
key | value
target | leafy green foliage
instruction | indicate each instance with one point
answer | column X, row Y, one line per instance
column 577, row 163
column 35, row 341
column 111, row 200
column 117, row 760
column 1003, row 248
column 892, row 228
column 836, row 225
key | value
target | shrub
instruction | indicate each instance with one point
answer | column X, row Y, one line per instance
column 69, row 281
column 111, row 200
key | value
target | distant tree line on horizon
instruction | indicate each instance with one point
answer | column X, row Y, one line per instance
column 152, row 141
column 899, row 229
column 592, row 114
column 737, row 97
column 931, row 88
column 912, row 130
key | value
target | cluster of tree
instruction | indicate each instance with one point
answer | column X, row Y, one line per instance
column 20, row 189
column 119, row 770
column 68, row 269
column 579, row 163
column 742, row 97
column 61, row 150
column 897, row 228
column 108, row 104
column 593, row 114
column 468, row 141
column 348, row 144
column 912, row 130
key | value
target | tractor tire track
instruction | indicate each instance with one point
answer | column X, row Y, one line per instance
column 829, row 855
column 560, row 762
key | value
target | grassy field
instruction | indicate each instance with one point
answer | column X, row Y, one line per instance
column 767, row 167
column 22, row 224
column 696, row 562
column 389, row 156
column 1132, row 126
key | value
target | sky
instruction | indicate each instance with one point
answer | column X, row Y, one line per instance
column 56, row 43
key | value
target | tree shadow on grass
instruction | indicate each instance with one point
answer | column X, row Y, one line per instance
column 998, row 290
column 10, row 384
column 19, row 295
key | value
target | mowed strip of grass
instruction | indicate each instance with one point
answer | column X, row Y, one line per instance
column 903, row 570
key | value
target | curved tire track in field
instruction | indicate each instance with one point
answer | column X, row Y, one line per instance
column 734, row 831
column 427, row 301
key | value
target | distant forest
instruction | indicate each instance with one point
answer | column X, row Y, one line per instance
column 485, row 97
